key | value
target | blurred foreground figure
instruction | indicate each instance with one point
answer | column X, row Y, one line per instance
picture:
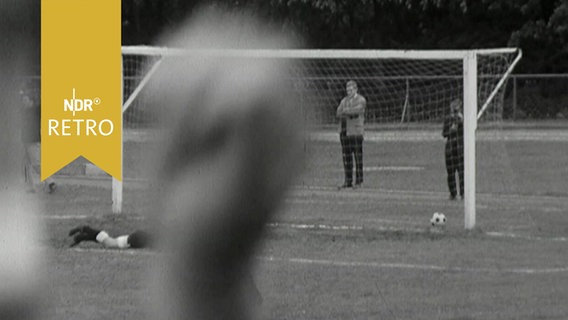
column 20, row 259
column 230, row 152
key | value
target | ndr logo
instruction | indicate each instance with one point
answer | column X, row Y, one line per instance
column 74, row 104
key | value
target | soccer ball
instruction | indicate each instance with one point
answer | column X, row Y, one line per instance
column 438, row 219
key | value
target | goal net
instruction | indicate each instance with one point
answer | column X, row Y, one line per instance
column 408, row 96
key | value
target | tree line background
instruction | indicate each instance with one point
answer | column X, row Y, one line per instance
column 538, row 27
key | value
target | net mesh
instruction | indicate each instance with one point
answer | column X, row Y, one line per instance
column 407, row 102
column 398, row 91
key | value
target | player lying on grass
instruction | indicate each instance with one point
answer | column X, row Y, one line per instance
column 140, row 239
column 135, row 240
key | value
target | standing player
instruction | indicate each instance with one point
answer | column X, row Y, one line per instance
column 453, row 132
column 351, row 112
column 31, row 138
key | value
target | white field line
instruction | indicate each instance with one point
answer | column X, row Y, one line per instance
column 68, row 217
column 331, row 196
column 429, row 135
column 130, row 252
column 402, row 135
column 409, row 266
column 524, row 237
column 392, row 168
column 320, row 226
column 301, row 192
column 315, row 226
column 345, row 227
column 415, row 229
column 82, row 217
column 354, row 264
column 419, row 203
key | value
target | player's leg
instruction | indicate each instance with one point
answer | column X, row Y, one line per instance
column 28, row 172
column 135, row 240
column 32, row 169
column 460, row 170
column 32, row 165
column 348, row 162
column 358, row 152
column 346, row 158
column 33, row 151
column 450, row 172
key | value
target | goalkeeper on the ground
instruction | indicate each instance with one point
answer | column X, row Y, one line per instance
column 140, row 239
column 135, row 240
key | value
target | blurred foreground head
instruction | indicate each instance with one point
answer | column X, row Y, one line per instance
column 20, row 258
column 231, row 150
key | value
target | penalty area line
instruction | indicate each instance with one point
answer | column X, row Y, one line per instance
column 132, row 252
column 86, row 216
column 313, row 226
column 353, row 264
column 525, row 237
column 68, row 217
column 408, row 266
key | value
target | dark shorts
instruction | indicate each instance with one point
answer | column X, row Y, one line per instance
column 139, row 239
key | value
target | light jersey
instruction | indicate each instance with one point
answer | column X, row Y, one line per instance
column 354, row 125
column 136, row 240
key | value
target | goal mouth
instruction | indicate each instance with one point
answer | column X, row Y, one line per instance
column 408, row 95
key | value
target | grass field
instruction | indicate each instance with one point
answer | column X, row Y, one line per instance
column 361, row 254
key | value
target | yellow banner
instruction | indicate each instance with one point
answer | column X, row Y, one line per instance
column 81, row 97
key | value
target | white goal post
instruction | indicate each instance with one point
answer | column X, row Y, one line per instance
column 403, row 87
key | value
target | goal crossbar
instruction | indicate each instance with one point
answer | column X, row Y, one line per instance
column 315, row 53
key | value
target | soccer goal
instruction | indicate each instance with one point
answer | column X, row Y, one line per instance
column 408, row 95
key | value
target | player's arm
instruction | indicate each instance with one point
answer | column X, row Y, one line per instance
column 340, row 113
column 86, row 233
column 120, row 242
column 357, row 108
column 459, row 117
